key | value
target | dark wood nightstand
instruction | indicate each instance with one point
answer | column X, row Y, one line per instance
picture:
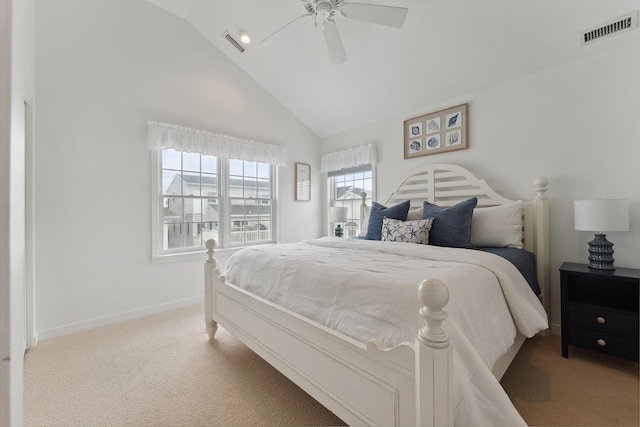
column 600, row 309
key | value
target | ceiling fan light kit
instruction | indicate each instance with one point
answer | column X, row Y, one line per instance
column 245, row 37
column 323, row 12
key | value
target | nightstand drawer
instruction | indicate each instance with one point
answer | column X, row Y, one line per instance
column 606, row 343
column 604, row 320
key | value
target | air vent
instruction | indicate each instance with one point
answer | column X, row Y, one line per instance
column 234, row 42
column 624, row 23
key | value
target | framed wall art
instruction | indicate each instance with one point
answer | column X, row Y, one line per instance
column 439, row 132
column 303, row 182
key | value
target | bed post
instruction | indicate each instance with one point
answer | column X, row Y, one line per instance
column 434, row 359
column 363, row 206
column 210, row 272
column 542, row 239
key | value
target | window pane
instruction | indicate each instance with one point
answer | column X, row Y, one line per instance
column 250, row 221
column 171, row 182
column 210, row 211
column 264, row 170
column 236, row 188
column 191, row 162
column 188, row 222
column 235, row 167
column 250, row 188
column 191, row 184
column 209, row 164
column 264, row 189
column 209, row 185
column 171, row 159
column 340, row 190
column 172, row 223
column 250, row 169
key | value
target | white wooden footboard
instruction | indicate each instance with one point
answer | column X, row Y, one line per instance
column 409, row 385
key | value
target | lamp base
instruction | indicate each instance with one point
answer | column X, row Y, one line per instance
column 601, row 253
column 338, row 231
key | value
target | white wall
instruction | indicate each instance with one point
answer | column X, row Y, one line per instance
column 17, row 86
column 575, row 124
column 105, row 68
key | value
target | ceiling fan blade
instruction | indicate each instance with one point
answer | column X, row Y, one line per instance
column 390, row 16
column 298, row 19
column 334, row 42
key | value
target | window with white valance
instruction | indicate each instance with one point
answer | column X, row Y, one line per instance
column 179, row 138
column 350, row 173
column 208, row 185
column 364, row 155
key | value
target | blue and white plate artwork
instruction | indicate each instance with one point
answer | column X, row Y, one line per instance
column 416, row 129
column 415, row 146
column 433, row 142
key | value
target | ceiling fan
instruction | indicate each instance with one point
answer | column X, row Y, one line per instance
column 324, row 11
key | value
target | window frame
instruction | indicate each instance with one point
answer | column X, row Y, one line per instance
column 331, row 191
column 160, row 255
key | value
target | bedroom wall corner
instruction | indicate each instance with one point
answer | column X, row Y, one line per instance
column 105, row 68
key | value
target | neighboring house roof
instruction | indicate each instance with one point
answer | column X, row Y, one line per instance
column 348, row 193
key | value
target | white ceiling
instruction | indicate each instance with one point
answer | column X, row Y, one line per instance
column 445, row 49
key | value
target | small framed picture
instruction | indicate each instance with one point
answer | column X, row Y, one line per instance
column 303, row 182
column 438, row 132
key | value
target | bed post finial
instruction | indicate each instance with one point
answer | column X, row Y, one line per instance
column 434, row 359
column 363, row 206
column 540, row 185
column 211, row 247
column 434, row 295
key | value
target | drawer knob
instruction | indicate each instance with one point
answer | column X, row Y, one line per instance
column 601, row 342
column 601, row 320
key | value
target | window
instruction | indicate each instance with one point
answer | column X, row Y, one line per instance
column 206, row 197
column 351, row 172
column 199, row 192
column 251, row 201
column 346, row 189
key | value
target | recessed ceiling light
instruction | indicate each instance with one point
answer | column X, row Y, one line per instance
column 244, row 37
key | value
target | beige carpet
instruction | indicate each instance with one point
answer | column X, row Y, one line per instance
column 587, row 389
column 162, row 371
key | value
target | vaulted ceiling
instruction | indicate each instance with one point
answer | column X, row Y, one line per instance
column 445, row 48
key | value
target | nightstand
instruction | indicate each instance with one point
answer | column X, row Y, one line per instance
column 600, row 309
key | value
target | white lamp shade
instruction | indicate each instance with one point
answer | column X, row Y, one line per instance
column 601, row 215
column 338, row 214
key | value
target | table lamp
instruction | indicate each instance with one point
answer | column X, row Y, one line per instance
column 338, row 215
column 601, row 215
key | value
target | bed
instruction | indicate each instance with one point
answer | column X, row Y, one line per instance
column 418, row 367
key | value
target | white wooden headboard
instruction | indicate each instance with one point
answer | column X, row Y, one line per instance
column 446, row 185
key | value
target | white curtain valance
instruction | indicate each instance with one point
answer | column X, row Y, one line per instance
column 357, row 156
column 165, row 136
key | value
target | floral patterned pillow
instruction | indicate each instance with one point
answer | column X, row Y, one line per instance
column 417, row 231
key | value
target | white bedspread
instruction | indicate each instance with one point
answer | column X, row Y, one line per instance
column 367, row 290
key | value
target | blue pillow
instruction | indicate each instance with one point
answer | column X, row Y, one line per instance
column 379, row 212
column 451, row 226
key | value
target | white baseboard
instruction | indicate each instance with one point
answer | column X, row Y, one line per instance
column 555, row 329
column 116, row 318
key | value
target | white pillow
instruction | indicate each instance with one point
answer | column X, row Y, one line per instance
column 394, row 230
column 414, row 214
column 497, row 226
